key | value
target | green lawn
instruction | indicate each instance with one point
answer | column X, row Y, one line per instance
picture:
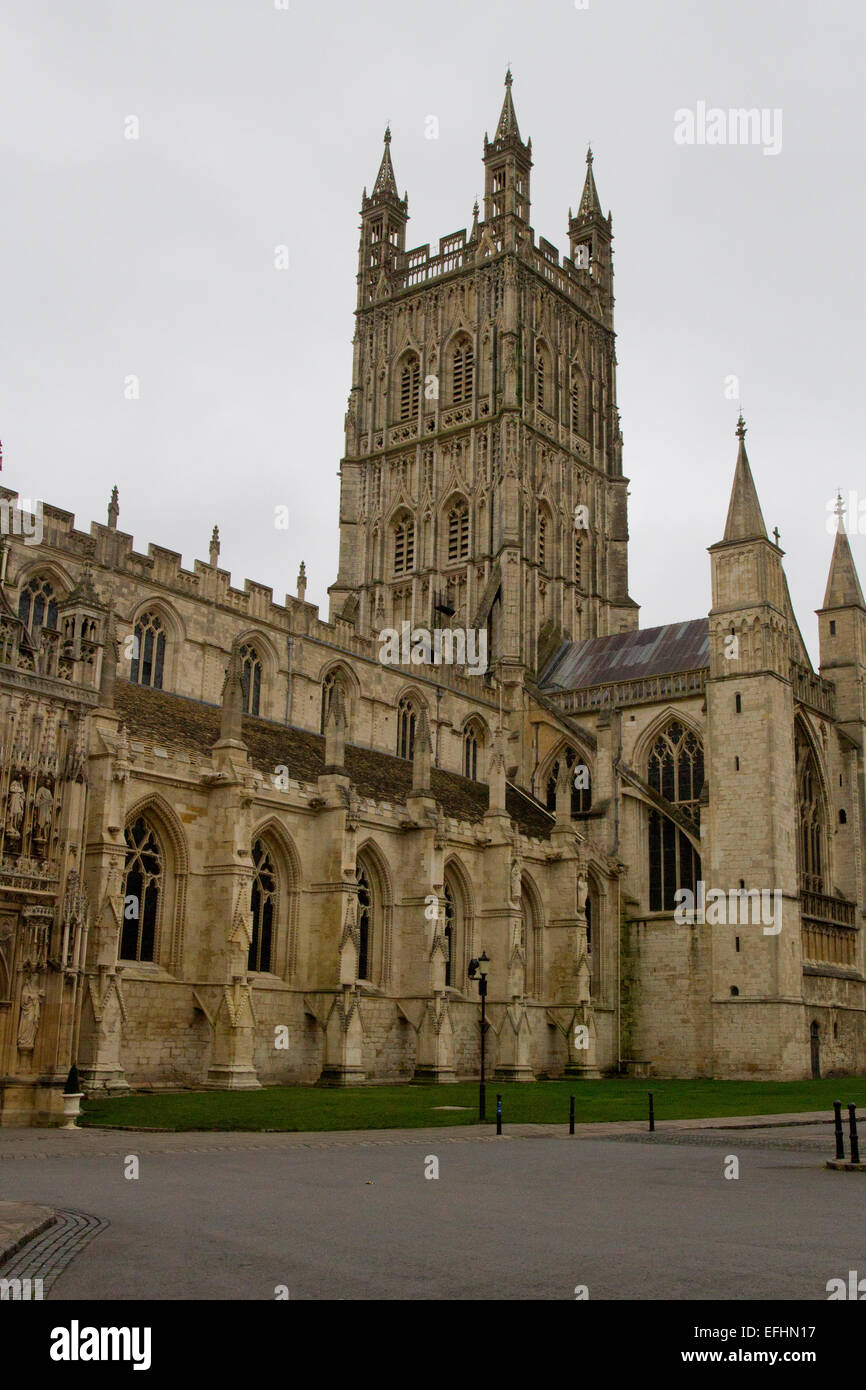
column 404, row 1107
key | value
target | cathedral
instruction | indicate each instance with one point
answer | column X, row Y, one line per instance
column 239, row 847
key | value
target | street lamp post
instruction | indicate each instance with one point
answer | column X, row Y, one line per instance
column 481, row 965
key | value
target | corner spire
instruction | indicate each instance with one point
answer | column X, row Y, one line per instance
column 508, row 117
column 843, row 584
column 590, row 203
column 745, row 520
column 385, row 180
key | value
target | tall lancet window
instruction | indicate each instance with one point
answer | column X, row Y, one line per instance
column 812, row 836
column 263, row 900
column 148, row 651
column 252, row 678
column 410, row 387
column 676, row 771
column 143, row 876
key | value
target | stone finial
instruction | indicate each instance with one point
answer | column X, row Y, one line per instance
column 421, row 756
column 215, row 546
column 335, row 730
column 496, row 777
column 113, row 509
column 231, row 720
column 563, row 791
column 110, row 658
column 302, row 583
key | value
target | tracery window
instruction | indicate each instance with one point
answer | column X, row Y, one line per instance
column 37, row 604
column 462, row 372
column 676, row 772
column 410, row 387
column 811, row 838
column 575, row 407
column 542, row 537
column 142, row 883
column 581, row 783
column 540, row 380
column 406, row 717
column 251, row 678
column 404, row 544
column 148, row 652
column 263, row 899
column 449, row 934
column 471, row 740
column 365, row 922
column 458, row 532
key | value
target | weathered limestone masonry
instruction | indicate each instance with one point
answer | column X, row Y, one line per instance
column 238, row 848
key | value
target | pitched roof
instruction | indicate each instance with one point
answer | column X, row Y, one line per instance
column 173, row 721
column 653, row 651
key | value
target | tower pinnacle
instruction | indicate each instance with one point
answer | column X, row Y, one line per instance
column 745, row 520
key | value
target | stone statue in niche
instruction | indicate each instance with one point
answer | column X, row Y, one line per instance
column 44, row 807
column 515, row 881
column 28, row 1018
column 15, row 807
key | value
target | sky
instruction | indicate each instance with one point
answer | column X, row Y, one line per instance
column 149, row 339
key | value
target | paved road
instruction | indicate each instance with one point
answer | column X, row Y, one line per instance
column 233, row 1216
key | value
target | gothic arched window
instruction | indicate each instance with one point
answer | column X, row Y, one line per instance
column 458, row 532
column 148, row 652
column 449, row 935
column 471, row 739
column 263, row 899
column 462, row 372
column 406, row 717
column 37, row 605
column 365, row 923
column 543, row 378
column 542, row 538
column 142, row 882
column 404, row 543
column 410, row 387
column 578, row 557
column 676, row 772
column 575, row 407
column 251, row 677
column 812, row 831
column 581, row 783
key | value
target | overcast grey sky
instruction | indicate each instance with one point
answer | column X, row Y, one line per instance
column 259, row 126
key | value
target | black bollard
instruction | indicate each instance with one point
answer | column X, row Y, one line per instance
column 652, row 1115
column 571, row 1115
column 837, row 1122
column 852, row 1125
column 498, row 1114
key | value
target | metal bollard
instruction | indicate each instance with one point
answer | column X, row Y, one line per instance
column 852, row 1125
column 837, row 1122
column 652, row 1114
column 571, row 1115
column 498, row 1114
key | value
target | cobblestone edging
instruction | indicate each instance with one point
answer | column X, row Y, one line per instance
column 47, row 1255
column 15, row 1233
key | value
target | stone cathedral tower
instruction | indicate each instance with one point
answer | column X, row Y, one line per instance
column 482, row 481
